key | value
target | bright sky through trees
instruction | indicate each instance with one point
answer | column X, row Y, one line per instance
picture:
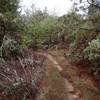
column 60, row 6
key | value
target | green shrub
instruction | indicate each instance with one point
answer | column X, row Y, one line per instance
column 92, row 52
column 26, row 40
column 9, row 46
column 75, row 54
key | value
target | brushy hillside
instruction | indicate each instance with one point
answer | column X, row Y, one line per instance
column 20, row 76
column 78, row 33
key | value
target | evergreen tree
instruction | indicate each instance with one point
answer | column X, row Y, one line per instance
column 8, row 17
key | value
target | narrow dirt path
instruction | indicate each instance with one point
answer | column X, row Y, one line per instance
column 72, row 93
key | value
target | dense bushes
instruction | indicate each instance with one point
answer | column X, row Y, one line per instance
column 92, row 52
column 85, row 46
column 38, row 29
column 80, row 33
column 70, row 24
column 9, row 47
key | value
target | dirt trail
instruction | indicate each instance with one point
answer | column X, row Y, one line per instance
column 70, row 90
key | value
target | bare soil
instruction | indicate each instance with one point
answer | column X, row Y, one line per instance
column 64, row 81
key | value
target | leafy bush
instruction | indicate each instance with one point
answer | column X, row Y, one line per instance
column 70, row 24
column 9, row 46
column 83, row 33
column 26, row 40
column 75, row 54
column 92, row 52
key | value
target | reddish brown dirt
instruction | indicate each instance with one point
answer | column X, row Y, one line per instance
column 70, row 90
column 79, row 77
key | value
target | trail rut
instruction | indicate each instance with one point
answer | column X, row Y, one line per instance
column 70, row 90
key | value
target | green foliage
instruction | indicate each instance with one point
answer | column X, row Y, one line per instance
column 9, row 18
column 75, row 55
column 9, row 46
column 41, row 27
column 26, row 40
column 10, row 10
column 48, row 29
column 9, row 24
column 92, row 52
column 85, row 45
column 5, row 6
column 71, row 23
